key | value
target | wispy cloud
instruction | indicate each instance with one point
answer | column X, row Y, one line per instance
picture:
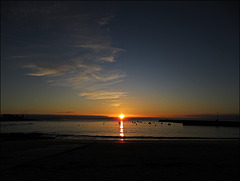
column 115, row 104
column 103, row 95
column 95, row 76
column 107, row 76
column 77, row 53
column 43, row 70
column 107, row 59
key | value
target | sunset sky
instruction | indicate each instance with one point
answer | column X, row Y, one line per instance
column 105, row 58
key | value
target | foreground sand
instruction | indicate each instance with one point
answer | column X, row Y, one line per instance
column 56, row 159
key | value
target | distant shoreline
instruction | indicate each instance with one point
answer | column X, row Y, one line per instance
column 217, row 123
column 38, row 117
column 205, row 123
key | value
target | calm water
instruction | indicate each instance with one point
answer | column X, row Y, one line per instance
column 100, row 128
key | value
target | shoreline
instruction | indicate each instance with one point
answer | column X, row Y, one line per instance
column 41, row 136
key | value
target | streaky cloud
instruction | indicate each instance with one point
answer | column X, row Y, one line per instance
column 80, row 63
column 103, row 95
column 107, row 59
column 107, row 76
column 45, row 71
column 115, row 104
column 112, row 82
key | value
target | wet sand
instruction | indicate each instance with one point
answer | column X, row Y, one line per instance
column 59, row 159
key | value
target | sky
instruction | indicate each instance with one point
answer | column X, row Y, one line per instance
column 159, row 58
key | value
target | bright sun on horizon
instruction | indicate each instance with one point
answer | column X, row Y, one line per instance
column 121, row 116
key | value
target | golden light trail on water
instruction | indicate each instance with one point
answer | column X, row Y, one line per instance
column 121, row 129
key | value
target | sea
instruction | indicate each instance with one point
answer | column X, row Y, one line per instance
column 115, row 128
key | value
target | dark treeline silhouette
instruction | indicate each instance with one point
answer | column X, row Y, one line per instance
column 12, row 117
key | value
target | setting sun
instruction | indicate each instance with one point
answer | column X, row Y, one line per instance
column 121, row 116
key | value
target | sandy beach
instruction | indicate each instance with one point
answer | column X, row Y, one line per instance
column 61, row 159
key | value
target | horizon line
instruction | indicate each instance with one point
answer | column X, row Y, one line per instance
column 198, row 116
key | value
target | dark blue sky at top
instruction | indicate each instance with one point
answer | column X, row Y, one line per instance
column 164, row 50
column 187, row 48
column 179, row 38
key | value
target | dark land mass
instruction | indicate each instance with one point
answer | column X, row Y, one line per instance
column 204, row 123
column 37, row 117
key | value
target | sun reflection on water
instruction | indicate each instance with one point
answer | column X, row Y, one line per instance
column 121, row 129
